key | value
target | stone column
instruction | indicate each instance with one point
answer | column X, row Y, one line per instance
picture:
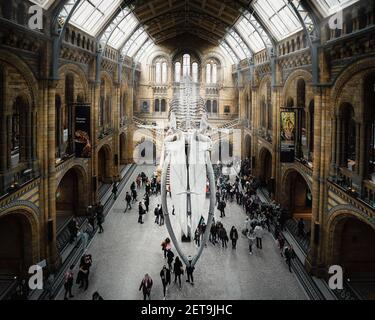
column 94, row 98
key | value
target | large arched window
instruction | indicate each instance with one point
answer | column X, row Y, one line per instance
column 177, row 72
column 211, row 72
column 164, row 73
column 214, row 73
column 186, row 65
column 195, row 72
column 208, row 73
column 158, row 73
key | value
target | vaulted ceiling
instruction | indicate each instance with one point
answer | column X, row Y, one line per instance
column 207, row 19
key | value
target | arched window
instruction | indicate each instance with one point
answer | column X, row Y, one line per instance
column 214, row 106
column 214, row 73
column 208, row 73
column 164, row 73
column 186, row 65
column 177, row 72
column 163, row 105
column 157, row 105
column 208, row 106
column 195, row 72
column 263, row 110
column 158, row 72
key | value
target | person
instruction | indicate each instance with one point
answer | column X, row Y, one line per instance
column 217, row 197
column 189, row 271
column 223, row 236
column 134, row 195
column 114, row 190
column 258, row 230
column 213, row 233
column 170, row 256
column 128, row 200
column 178, row 270
column 173, row 210
column 141, row 212
column 99, row 209
column 161, row 216
column 138, row 181
column 97, row 296
column 234, row 237
column 221, row 206
column 147, row 201
column 84, row 270
column 146, row 286
column 301, row 228
column 251, row 238
column 289, row 255
column 281, row 241
column 197, row 237
column 164, row 246
column 68, row 283
column 156, row 213
column 165, row 276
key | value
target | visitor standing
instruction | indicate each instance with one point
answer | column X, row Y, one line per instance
column 146, row 286
column 68, row 283
column 128, row 200
column 234, row 237
column 165, row 276
column 178, row 270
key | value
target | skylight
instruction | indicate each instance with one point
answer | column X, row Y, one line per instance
column 227, row 50
column 123, row 31
column 278, row 16
column 250, row 35
column 330, row 7
column 91, row 15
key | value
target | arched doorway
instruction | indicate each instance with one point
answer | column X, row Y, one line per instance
column 297, row 199
column 265, row 161
column 353, row 250
column 104, row 165
column 123, row 159
column 16, row 255
column 71, row 198
column 247, row 147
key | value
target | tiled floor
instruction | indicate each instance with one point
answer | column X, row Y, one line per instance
column 127, row 250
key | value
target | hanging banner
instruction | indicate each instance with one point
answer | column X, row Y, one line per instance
column 82, row 131
column 288, row 136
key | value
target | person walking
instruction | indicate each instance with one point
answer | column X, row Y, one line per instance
column 289, row 256
column 156, row 213
column 134, row 195
column 146, row 201
column 68, row 283
column 251, row 238
column 141, row 212
column 197, row 237
column 221, row 207
column 213, row 233
column 99, row 210
column 146, row 286
column 189, row 271
column 128, row 200
column 165, row 276
column 170, row 256
column 281, row 242
column 258, row 230
column 114, row 190
column 233, row 236
column 161, row 216
column 223, row 236
column 178, row 271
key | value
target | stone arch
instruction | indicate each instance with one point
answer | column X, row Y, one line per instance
column 123, row 148
column 25, row 72
column 247, row 146
column 105, row 164
column 20, row 221
column 265, row 165
column 71, row 194
column 296, row 194
column 80, row 73
column 341, row 238
column 159, row 53
column 290, row 90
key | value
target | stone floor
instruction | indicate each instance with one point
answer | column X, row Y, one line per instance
column 127, row 250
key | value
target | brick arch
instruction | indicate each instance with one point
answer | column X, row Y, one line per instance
column 30, row 213
column 260, row 163
column 24, row 71
column 79, row 72
column 337, row 216
column 159, row 53
column 365, row 65
column 108, row 154
column 77, row 165
column 263, row 83
column 305, row 75
column 214, row 55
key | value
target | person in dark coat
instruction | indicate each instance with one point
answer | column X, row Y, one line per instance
column 233, row 236
column 289, row 255
column 178, row 270
column 165, row 276
column 146, row 286
column 161, row 216
column 134, row 195
column 114, row 190
column 128, row 200
column 141, row 212
column 221, row 206
column 68, row 283
column 156, row 213
column 170, row 256
column 146, row 201
column 189, row 271
column 223, row 236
